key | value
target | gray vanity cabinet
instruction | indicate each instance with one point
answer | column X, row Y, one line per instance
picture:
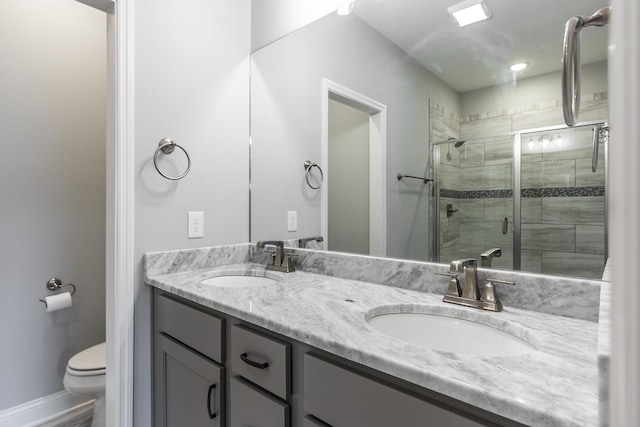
column 189, row 376
column 209, row 363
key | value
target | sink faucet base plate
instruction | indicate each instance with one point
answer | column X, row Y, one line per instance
column 281, row 268
column 467, row 302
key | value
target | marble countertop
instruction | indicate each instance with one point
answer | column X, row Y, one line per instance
column 554, row 386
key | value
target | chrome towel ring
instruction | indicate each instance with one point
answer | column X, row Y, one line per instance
column 167, row 146
column 308, row 165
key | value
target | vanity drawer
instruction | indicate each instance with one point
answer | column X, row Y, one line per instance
column 263, row 360
column 177, row 320
column 342, row 397
column 251, row 406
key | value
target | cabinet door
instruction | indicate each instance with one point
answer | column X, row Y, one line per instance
column 189, row 389
column 253, row 407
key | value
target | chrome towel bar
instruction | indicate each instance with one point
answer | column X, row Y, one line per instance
column 401, row 175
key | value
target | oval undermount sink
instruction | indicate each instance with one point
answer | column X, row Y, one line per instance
column 452, row 334
column 242, row 279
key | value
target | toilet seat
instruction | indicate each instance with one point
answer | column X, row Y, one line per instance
column 89, row 362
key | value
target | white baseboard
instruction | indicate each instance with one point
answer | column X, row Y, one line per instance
column 57, row 409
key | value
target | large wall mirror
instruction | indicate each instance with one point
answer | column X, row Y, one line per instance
column 393, row 131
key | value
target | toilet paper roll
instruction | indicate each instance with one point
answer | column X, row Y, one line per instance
column 58, row 302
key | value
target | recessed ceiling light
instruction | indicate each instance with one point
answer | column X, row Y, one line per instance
column 346, row 9
column 469, row 11
column 519, row 66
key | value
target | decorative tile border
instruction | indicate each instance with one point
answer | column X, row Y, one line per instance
column 599, row 96
column 476, row 194
column 525, row 192
column 563, row 192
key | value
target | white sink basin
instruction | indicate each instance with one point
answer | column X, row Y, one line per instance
column 242, row 279
column 444, row 333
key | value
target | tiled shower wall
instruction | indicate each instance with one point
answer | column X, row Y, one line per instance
column 444, row 125
column 562, row 200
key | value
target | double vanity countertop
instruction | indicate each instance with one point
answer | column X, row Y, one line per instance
column 557, row 385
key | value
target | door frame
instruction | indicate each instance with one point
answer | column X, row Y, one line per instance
column 377, row 161
column 120, row 258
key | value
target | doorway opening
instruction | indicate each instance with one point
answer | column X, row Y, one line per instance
column 354, row 156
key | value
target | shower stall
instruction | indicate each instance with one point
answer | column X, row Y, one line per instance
column 539, row 195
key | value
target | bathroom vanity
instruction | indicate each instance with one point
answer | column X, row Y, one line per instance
column 298, row 348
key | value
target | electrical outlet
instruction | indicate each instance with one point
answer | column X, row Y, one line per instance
column 292, row 220
column 195, row 225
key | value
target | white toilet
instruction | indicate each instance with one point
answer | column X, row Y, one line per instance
column 85, row 377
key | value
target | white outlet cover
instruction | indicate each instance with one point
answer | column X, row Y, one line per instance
column 195, row 225
column 292, row 220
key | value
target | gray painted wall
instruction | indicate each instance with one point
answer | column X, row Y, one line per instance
column 285, row 119
column 272, row 19
column 52, row 169
column 191, row 84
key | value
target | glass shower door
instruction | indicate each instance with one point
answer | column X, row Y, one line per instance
column 475, row 199
column 562, row 203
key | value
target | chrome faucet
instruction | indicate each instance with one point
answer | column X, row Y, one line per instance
column 302, row 243
column 467, row 266
column 279, row 260
column 487, row 256
column 469, row 294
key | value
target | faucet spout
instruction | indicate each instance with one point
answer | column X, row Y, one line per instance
column 469, row 267
column 279, row 260
column 470, row 295
column 487, row 256
column 278, row 254
column 302, row 243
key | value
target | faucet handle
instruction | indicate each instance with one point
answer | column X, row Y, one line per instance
column 453, row 287
column 287, row 262
column 489, row 296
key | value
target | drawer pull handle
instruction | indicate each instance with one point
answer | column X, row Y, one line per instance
column 212, row 414
column 248, row 361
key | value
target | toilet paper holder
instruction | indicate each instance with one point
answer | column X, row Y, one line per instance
column 55, row 284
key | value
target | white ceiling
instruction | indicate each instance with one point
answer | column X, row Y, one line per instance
column 480, row 54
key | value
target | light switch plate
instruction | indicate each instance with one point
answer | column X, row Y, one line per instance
column 292, row 220
column 195, row 225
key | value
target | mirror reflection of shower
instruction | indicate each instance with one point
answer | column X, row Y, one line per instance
column 530, row 193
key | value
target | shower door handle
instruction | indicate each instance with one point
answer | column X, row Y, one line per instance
column 598, row 131
column 505, row 225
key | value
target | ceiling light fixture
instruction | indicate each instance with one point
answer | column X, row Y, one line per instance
column 519, row 66
column 469, row 12
column 346, row 9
